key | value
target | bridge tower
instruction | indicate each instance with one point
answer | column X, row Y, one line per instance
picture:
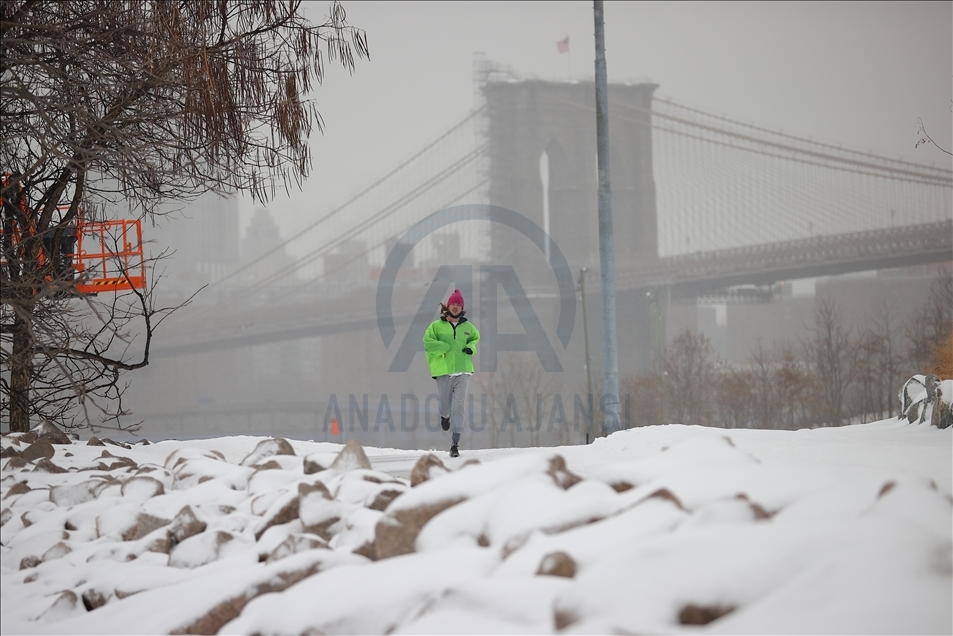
column 542, row 164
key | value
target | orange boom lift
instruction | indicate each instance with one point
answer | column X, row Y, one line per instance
column 97, row 256
column 109, row 256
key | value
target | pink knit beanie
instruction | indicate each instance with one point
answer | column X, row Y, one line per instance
column 455, row 298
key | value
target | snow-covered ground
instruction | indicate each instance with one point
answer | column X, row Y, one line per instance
column 652, row 530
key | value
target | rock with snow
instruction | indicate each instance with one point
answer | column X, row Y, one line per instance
column 364, row 487
column 268, row 581
column 18, row 488
column 75, row 494
column 143, row 525
column 9, row 451
column 295, row 543
column 320, row 516
column 316, row 462
column 383, row 498
column 183, row 454
column 15, row 463
column 65, row 604
column 115, row 443
column 268, row 448
column 357, row 531
column 20, row 439
column 57, row 551
column 27, row 548
column 51, row 433
column 284, row 509
column 113, row 462
column 306, row 488
column 557, row 564
column 94, row 599
column 397, row 532
column 352, row 457
column 163, row 475
column 118, row 522
column 45, row 465
column 561, row 475
column 142, row 487
column 185, row 524
column 702, row 614
column 925, row 398
column 41, row 448
column 427, row 466
column 200, row 549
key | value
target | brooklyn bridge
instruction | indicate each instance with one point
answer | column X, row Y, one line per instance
column 705, row 207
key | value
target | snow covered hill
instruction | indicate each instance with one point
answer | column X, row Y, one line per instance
column 668, row 529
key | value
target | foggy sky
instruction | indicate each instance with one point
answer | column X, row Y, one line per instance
column 859, row 74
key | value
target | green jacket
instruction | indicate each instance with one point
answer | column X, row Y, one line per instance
column 444, row 345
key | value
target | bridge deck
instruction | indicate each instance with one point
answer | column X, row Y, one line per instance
column 703, row 272
column 686, row 275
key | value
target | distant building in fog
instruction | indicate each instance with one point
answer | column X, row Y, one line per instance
column 203, row 240
column 347, row 263
column 263, row 252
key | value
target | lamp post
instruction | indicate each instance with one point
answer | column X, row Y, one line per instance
column 610, row 361
column 585, row 334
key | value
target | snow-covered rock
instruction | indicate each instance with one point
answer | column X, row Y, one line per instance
column 661, row 529
column 925, row 398
column 268, row 448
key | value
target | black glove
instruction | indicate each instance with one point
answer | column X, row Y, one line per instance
column 468, row 351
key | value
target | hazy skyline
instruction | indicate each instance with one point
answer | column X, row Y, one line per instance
column 858, row 74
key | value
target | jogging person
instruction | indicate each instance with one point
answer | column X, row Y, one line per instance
column 450, row 342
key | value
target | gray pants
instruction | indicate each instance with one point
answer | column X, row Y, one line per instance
column 453, row 399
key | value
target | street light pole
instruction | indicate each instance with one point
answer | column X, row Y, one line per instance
column 585, row 333
column 610, row 400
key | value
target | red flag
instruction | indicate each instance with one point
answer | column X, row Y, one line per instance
column 563, row 45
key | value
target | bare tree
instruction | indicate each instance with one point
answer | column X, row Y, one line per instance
column 943, row 359
column 535, row 390
column 138, row 102
column 492, row 387
column 926, row 139
column 767, row 410
column 878, row 368
column 735, row 393
column 646, row 395
column 830, row 353
column 687, row 379
column 932, row 324
column 794, row 395
column 81, row 346
column 781, row 387
column 518, row 393
column 891, row 359
column 869, row 389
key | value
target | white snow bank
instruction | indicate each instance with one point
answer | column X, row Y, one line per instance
column 843, row 530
